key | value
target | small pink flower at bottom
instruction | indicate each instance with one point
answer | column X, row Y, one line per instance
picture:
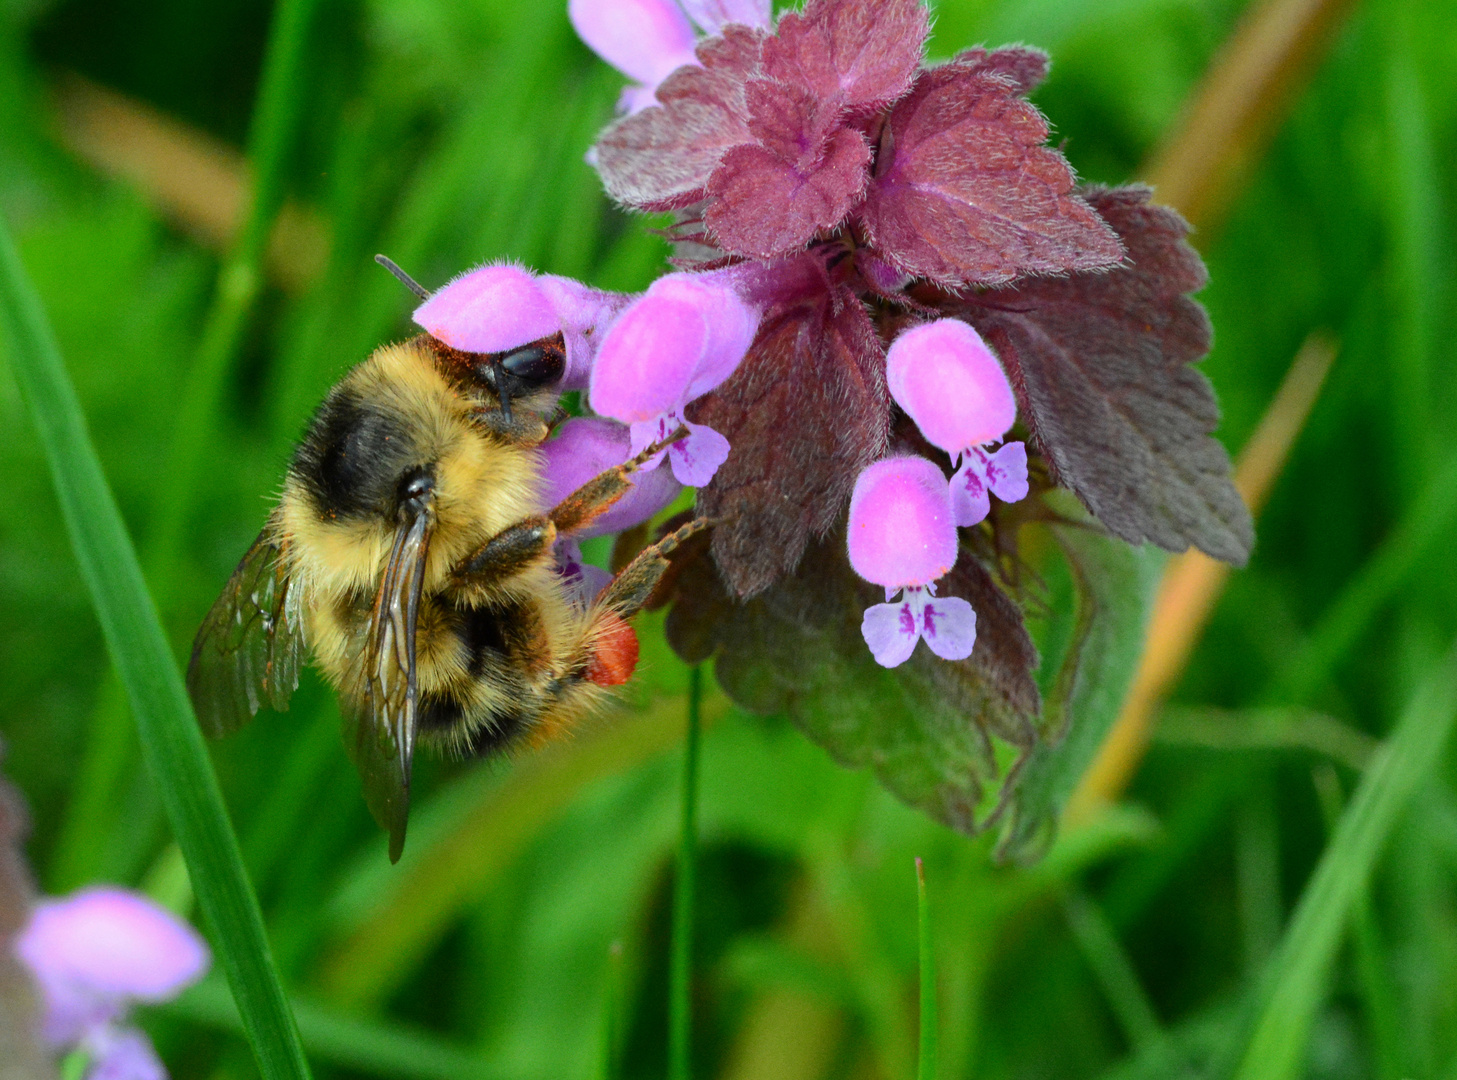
column 93, row 955
column 902, row 537
column 947, row 380
column 948, row 625
column 678, row 341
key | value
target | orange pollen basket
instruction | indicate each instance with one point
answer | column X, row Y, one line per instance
column 616, row 656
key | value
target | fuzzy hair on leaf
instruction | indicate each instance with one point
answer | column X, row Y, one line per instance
column 1100, row 363
column 965, row 192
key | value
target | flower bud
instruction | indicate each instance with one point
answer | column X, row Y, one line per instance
column 901, row 531
column 947, row 380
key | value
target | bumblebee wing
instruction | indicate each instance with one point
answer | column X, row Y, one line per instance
column 379, row 731
column 248, row 650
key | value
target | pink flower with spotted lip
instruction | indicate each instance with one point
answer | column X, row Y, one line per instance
column 902, row 537
column 93, row 955
column 682, row 338
column 947, row 380
column 503, row 306
column 647, row 40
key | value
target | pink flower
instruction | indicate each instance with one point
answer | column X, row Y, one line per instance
column 583, row 448
column 682, row 338
column 93, row 955
column 902, row 537
column 647, row 40
column 587, row 446
column 947, row 380
column 496, row 308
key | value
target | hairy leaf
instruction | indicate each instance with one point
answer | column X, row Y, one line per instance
column 965, row 192
column 1113, row 588
column 804, row 413
column 1100, row 365
column 854, row 55
column 804, row 174
column 661, row 158
column 943, row 736
column 1025, row 67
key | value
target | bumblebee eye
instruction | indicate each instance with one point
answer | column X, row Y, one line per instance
column 534, row 365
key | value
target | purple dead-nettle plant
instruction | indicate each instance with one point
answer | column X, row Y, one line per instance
column 897, row 325
column 94, row 955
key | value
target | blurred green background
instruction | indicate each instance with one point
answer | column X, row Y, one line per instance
column 528, row 921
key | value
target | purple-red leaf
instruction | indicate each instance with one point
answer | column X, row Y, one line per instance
column 928, row 728
column 804, row 174
column 661, row 158
column 804, row 413
column 1100, row 364
column 855, row 56
column 1025, row 67
column 965, row 192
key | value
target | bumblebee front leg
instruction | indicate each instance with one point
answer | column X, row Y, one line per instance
column 509, row 552
column 514, row 549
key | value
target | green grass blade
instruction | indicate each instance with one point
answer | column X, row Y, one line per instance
column 1113, row 969
column 171, row 742
column 370, row 1047
column 929, row 1043
column 1428, row 520
column 680, row 991
column 1297, row 981
column 612, row 1016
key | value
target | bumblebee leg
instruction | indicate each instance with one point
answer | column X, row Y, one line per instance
column 522, row 428
column 509, row 552
column 596, row 496
column 629, row 590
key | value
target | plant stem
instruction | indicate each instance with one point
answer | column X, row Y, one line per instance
column 930, row 1041
column 680, row 986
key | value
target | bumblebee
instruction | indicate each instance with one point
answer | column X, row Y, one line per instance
column 409, row 554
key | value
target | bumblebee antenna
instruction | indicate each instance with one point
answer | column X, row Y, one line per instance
column 404, row 279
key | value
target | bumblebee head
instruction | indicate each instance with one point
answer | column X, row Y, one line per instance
column 523, row 373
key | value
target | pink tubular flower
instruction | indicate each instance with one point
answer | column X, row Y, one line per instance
column 647, row 40
column 93, row 955
column 584, row 447
column 902, row 537
column 947, row 380
column 682, row 338
column 503, row 306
